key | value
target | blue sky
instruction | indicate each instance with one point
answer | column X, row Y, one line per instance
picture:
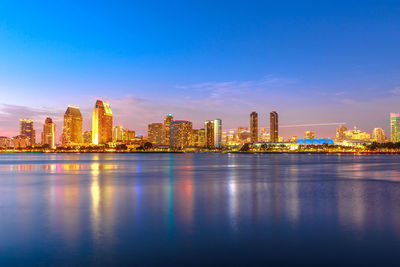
column 312, row 61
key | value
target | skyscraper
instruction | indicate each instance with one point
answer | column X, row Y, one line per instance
column 254, row 127
column 181, row 134
column 87, row 137
column 102, row 123
column 217, row 133
column 209, row 134
column 155, row 133
column 273, row 126
column 26, row 129
column 167, row 129
column 118, row 134
column 72, row 130
column 340, row 132
column 49, row 133
column 395, row 127
column 378, row 135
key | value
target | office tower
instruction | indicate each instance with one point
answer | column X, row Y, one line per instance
column 167, row 129
column 202, row 137
column 395, row 127
column 5, row 142
column 49, row 133
column 21, row 141
column 130, row 135
column 378, row 134
column 87, row 137
column 309, row 134
column 118, row 134
column 181, row 134
column 217, row 133
column 72, row 130
column 209, row 134
column 155, row 133
column 102, row 123
column 273, row 126
column 26, row 129
column 340, row 136
column 254, row 127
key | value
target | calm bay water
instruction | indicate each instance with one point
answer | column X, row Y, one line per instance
column 197, row 209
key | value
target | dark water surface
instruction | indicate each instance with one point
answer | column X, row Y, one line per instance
column 198, row 209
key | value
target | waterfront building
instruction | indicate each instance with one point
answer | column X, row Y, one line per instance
column 72, row 129
column 395, row 127
column 273, row 120
column 21, row 141
column 254, row 127
column 155, row 133
column 309, row 134
column 102, row 123
column 217, row 133
column 168, row 119
column 340, row 132
column 181, row 134
column 198, row 137
column 5, row 142
column 378, row 135
column 26, row 129
column 87, row 137
column 118, row 134
column 130, row 135
column 49, row 133
column 209, row 134
column 264, row 135
column 293, row 138
column 356, row 134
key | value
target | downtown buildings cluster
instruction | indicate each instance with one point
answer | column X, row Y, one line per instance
column 174, row 134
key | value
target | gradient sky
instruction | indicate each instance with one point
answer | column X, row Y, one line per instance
column 312, row 61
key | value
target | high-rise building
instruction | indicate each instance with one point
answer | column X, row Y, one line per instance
column 217, row 133
column 21, row 141
column 130, row 135
column 309, row 134
column 340, row 136
column 168, row 119
column 26, row 129
column 155, row 133
column 254, row 127
column 181, row 134
column 273, row 126
column 49, row 133
column 87, row 137
column 102, row 123
column 395, row 127
column 118, row 134
column 209, row 134
column 5, row 142
column 378, row 135
column 72, row 130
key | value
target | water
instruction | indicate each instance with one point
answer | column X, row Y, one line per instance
column 198, row 209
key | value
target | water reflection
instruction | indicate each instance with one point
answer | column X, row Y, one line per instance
column 97, row 203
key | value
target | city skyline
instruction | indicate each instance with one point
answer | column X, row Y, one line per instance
column 317, row 72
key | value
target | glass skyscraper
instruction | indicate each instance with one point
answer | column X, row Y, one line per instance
column 254, row 127
column 273, row 121
column 102, row 123
column 217, row 133
column 395, row 127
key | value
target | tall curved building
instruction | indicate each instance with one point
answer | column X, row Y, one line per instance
column 273, row 122
column 102, row 123
column 72, row 130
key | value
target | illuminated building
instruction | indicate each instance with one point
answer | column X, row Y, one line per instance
column 356, row 135
column 309, row 134
column 167, row 129
column 181, row 134
column 26, row 129
column 118, row 134
column 49, row 133
column 293, row 139
column 395, row 127
column 21, row 141
column 102, row 123
column 155, row 133
column 209, row 134
column 273, row 122
column 72, row 130
column 198, row 137
column 340, row 132
column 87, row 137
column 264, row 135
column 378, row 135
column 130, row 135
column 217, row 133
column 254, row 127
column 5, row 142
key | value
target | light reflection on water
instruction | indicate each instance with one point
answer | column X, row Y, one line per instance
column 105, row 208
